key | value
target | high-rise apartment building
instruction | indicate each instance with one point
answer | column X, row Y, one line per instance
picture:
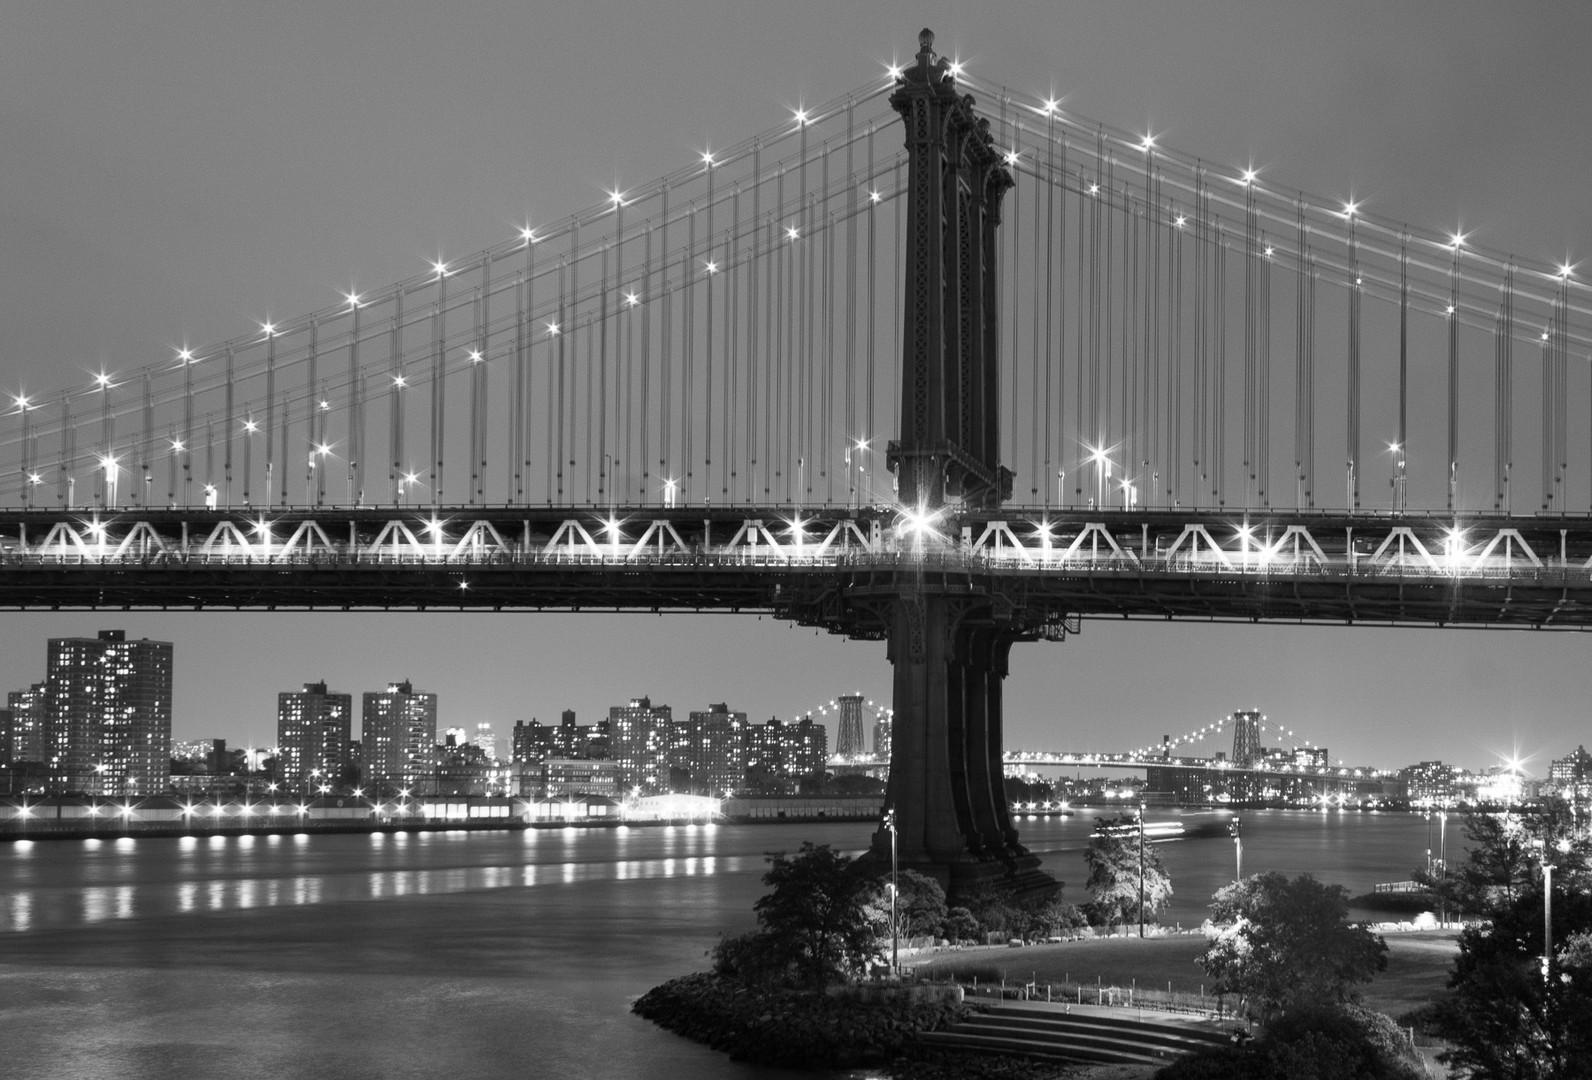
column 788, row 750
column 849, row 736
column 638, row 739
column 881, row 734
column 107, row 715
column 313, row 729
column 398, row 729
column 27, row 723
column 710, row 746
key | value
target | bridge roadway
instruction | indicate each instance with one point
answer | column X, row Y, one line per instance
column 831, row 567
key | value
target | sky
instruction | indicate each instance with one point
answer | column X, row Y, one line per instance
column 177, row 171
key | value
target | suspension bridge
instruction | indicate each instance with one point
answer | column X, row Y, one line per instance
column 954, row 391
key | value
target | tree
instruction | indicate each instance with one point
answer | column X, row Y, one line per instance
column 1115, row 873
column 1504, row 1018
column 920, row 906
column 960, row 924
column 1503, row 855
column 819, row 913
column 1284, row 941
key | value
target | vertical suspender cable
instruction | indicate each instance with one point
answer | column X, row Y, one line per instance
column 270, row 413
column 1263, row 383
column 604, row 287
column 733, row 354
column 707, row 353
column 754, row 309
column 1219, row 454
column 647, row 297
column 1201, row 210
column 665, row 344
column 1453, row 381
column 1353, row 434
column 439, row 369
column 1401, row 454
column 1174, row 408
column 1251, row 333
column 1300, row 360
column 356, row 414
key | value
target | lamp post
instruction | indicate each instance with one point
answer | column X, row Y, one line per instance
column 1561, row 846
column 1235, row 829
column 890, row 823
column 1141, row 870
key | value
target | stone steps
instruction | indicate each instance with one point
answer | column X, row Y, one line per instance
column 1079, row 1033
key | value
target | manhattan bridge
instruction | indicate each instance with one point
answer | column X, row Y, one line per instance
column 954, row 390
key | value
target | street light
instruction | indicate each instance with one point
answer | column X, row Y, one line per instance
column 1235, row 830
column 1563, row 847
column 1141, row 870
column 895, row 964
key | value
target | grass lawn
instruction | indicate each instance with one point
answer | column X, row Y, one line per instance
column 1417, row 966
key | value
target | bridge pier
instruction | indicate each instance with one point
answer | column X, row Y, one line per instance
column 946, row 781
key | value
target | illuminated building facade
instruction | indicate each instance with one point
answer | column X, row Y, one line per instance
column 787, row 751
column 881, row 735
column 1430, row 783
column 398, row 730
column 107, row 715
column 1571, row 775
column 313, row 729
column 638, row 739
column 26, row 734
column 709, row 746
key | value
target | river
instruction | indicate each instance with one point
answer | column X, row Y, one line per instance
column 478, row 955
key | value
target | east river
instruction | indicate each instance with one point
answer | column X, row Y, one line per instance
column 486, row 954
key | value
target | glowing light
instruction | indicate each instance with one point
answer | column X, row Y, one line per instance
column 1012, row 157
column 323, row 449
column 552, row 328
column 103, row 379
column 399, row 382
column 21, row 401
column 1350, row 208
column 1249, row 176
column 108, row 462
column 1094, row 189
column 791, row 232
column 177, row 446
column 617, row 198
column 707, row 159
column 433, row 526
column 1456, row 240
column 1181, row 221
column 475, row 356
column 893, row 70
column 528, row 234
column 325, row 404
column 185, row 355
column 1544, row 335
column 1147, row 143
column 35, row 479
column 632, row 299
column 411, row 478
column 352, row 298
column 439, row 268
column 1450, row 309
column 712, row 267
column 1270, row 251
column 1566, row 271
column 875, row 196
column 956, row 68
column 250, row 426
column 920, row 521
column 1051, row 105
column 801, row 117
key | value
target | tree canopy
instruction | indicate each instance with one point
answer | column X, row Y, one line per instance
column 1113, row 857
column 1506, row 1016
column 819, row 915
column 1287, row 940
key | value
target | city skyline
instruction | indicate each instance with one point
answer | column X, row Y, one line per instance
column 592, row 697
column 181, row 173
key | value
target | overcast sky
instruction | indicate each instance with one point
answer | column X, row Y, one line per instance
column 178, row 171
